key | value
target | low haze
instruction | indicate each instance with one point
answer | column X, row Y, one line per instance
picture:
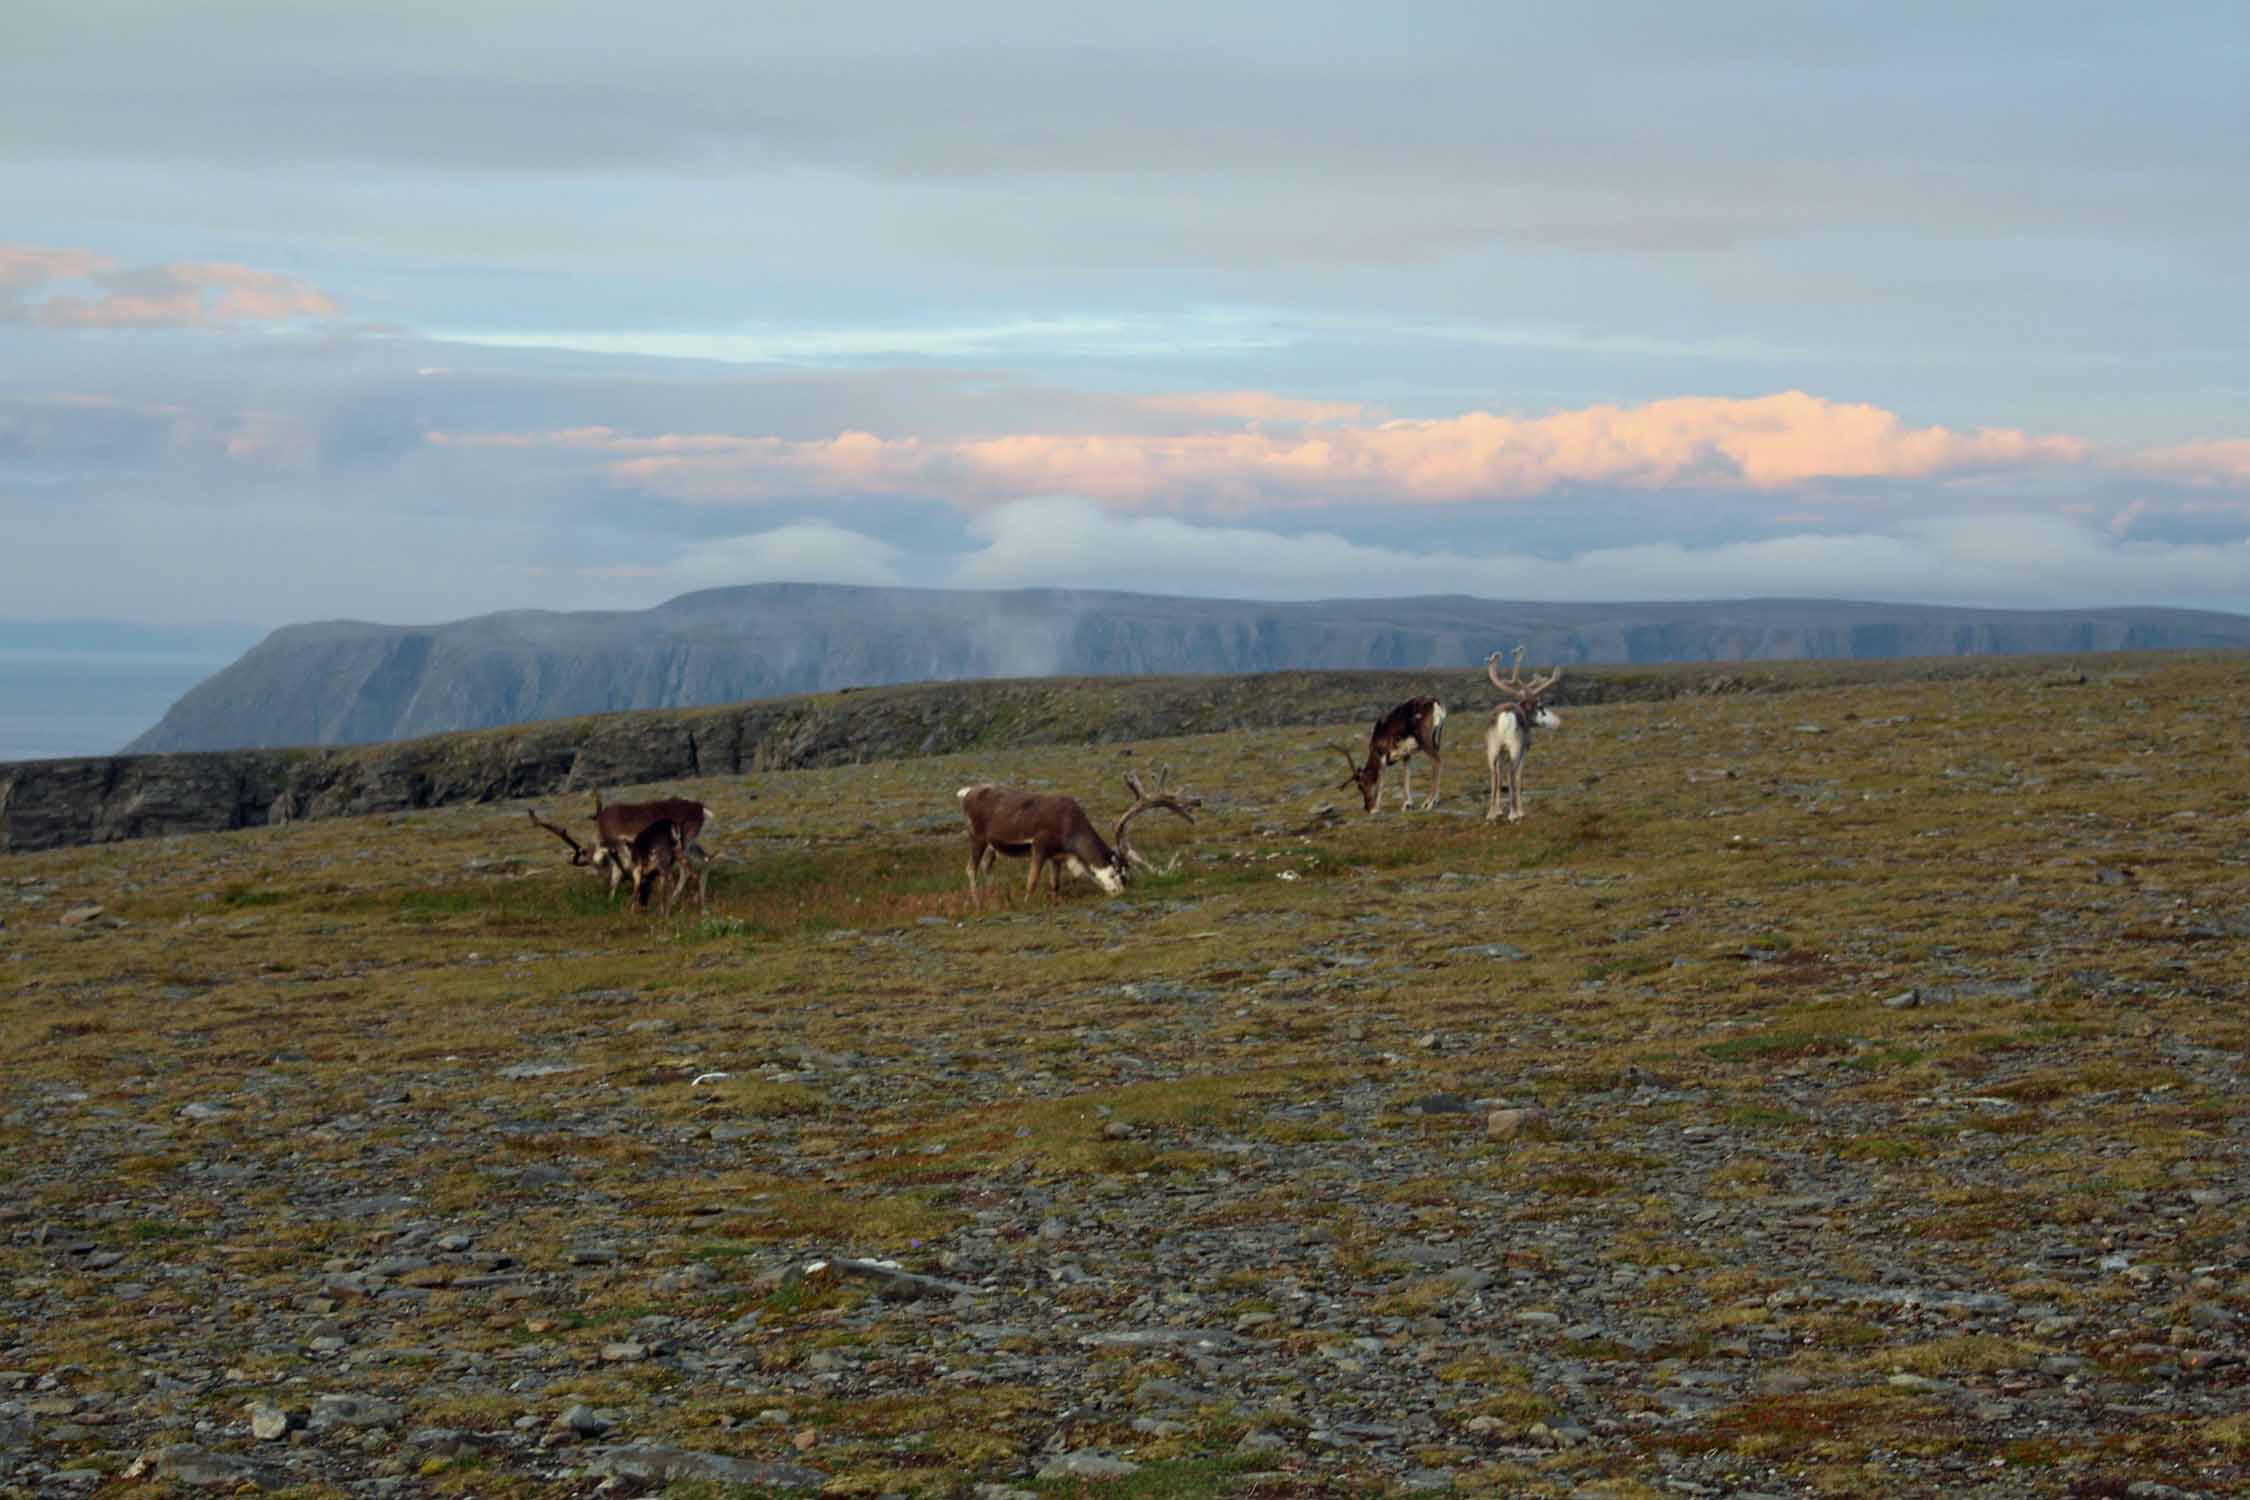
column 407, row 315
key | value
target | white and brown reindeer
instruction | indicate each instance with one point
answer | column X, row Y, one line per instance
column 617, row 824
column 1053, row 831
column 1412, row 726
column 1509, row 738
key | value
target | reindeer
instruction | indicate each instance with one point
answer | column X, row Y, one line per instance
column 1054, row 831
column 1512, row 723
column 657, row 851
column 1411, row 726
column 616, row 826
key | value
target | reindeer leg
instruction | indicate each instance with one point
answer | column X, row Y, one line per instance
column 1031, row 886
column 1437, row 779
column 1406, row 785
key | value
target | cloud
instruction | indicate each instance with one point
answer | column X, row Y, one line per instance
column 28, row 265
column 1999, row 560
column 2226, row 462
column 802, row 552
column 182, row 294
column 1267, row 451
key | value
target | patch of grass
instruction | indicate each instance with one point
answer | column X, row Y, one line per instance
column 1783, row 1045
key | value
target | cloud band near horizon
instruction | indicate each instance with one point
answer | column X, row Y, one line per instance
column 83, row 290
column 1256, row 451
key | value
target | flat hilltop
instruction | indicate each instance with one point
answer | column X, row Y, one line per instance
column 1837, row 1091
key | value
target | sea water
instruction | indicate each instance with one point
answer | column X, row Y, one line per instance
column 59, row 703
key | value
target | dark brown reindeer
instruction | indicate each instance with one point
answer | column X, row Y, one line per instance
column 1410, row 727
column 619, row 823
column 657, row 857
column 1509, row 738
column 1055, row 833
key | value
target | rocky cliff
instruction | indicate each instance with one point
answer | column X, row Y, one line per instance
column 345, row 683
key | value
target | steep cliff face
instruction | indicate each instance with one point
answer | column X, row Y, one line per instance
column 343, row 683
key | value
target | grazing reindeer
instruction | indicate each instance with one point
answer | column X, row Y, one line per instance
column 1512, row 723
column 1411, row 726
column 616, row 825
column 656, row 852
column 1054, row 831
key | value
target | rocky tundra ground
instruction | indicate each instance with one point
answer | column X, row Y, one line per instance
column 1836, row 1091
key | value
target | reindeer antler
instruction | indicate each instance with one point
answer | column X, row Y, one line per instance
column 1515, row 673
column 1143, row 801
column 1513, row 685
column 578, row 852
column 1349, row 760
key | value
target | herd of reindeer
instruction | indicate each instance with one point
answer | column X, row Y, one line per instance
column 656, row 846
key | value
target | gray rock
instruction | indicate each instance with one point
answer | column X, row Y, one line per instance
column 202, row 1468
column 657, row 1465
column 1508, row 1124
column 1162, row 1338
column 1087, row 1465
column 584, row 1421
column 886, row 1280
column 270, row 1423
column 352, row 1411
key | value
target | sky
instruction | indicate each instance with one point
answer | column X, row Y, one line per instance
column 408, row 312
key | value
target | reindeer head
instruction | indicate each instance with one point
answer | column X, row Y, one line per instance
column 1368, row 778
column 1525, row 698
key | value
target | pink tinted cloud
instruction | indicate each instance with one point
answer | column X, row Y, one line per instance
column 28, row 265
column 183, row 294
column 2224, row 462
column 1323, row 454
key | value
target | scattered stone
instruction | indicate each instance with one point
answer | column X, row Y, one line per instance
column 657, row 1465
column 79, row 916
column 584, row 1421
column 352, row 1411
column 1087, row 1465
column 887, row 1278
column 518, row 1071
column 1508, row 1124
column 201, row 1468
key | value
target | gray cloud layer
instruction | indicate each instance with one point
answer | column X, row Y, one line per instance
column 949, row 224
